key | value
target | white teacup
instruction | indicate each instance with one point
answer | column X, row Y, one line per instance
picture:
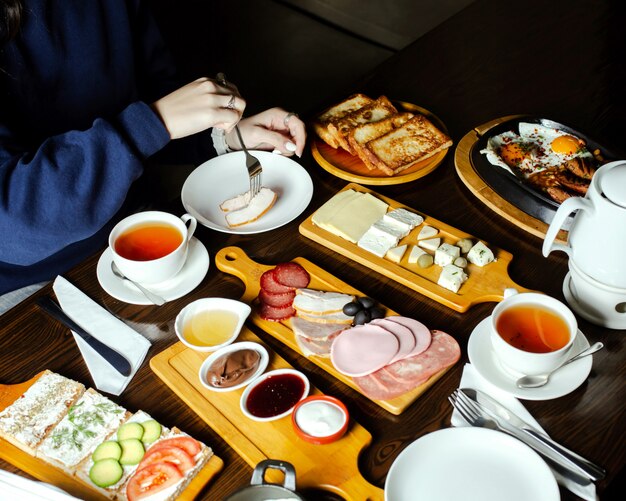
column 529, row 349
column 151, row 247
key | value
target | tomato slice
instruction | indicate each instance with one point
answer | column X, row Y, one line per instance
column 153, row 478
column 170, row 454
column 188, row 444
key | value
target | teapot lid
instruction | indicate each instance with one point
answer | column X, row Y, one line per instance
column 613, row 184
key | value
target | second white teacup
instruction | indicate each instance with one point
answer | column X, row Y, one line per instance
column 532, row 333
column 151, row 247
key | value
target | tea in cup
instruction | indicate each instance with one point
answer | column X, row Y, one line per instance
column 151, row 247
column 532, row 333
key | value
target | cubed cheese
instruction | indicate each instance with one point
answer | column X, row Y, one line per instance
column 432, row 244
column 480, row 254
column 427, row 232
column 377, row 242
column 407, row 218
column 395, row 254
column 452, row 277
column 446, row 254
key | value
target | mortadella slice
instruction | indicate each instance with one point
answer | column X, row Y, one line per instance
column 404, row 334
column 422, row 334
column 363, row 349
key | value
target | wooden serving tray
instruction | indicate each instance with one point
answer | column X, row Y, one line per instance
column 235, row 261
column 484, row 284
column 47, row 473
column 342, row 164
column 333, row 467
column 482, row 191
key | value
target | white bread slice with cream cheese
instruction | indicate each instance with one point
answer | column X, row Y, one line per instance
column 257, row 207
column 336, row 112
column 28, row 421
column 315, row 302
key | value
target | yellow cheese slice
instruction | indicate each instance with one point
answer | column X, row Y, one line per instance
column 354, row 218
column 336, row 203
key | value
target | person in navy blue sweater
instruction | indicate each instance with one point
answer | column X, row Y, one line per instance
column 87, row 94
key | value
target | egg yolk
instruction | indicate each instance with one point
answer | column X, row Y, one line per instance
column 566, row 145
column 514, row 153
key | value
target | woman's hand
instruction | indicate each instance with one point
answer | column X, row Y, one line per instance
column 273, row 129
column 198, row 106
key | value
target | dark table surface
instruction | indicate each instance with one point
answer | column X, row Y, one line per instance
column 560, row 60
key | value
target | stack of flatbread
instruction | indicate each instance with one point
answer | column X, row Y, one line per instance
column 382, row 137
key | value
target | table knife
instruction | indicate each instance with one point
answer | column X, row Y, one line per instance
column 117, row 360
column 528, row 434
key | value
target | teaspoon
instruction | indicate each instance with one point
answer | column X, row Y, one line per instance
column 158, row 300
column 541, row 379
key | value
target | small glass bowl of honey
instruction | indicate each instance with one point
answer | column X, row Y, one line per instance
column 211, row 323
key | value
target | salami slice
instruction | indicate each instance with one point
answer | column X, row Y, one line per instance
column 291, row 275
column 404, row 375
column 275, row 314
column 280, row 299
column 269, row 283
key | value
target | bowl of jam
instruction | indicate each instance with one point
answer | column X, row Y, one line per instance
column 274, row 394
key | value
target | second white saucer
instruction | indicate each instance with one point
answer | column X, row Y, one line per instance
column 186, row 280
column 561, row 383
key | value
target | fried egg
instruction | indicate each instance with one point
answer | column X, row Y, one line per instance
column 534, row 149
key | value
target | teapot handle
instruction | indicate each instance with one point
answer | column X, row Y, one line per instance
column 566, row 208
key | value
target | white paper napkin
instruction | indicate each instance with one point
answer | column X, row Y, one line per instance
column 471, row 379
column 106, row 328
column 15, row 487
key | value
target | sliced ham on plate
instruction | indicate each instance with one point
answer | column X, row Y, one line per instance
column 420, row 332
column 320, row 302
column 257, row 206
column 405, row 337
column 363, row 349
column 404, row 375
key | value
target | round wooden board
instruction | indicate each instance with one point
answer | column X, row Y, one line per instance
column 482, row 191
column 342, row 164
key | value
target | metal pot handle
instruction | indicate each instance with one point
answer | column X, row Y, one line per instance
column 258, row 475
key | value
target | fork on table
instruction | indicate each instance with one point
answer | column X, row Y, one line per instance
column 252, row 163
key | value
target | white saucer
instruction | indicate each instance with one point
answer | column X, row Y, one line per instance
column 561, row 383
column 186, row 280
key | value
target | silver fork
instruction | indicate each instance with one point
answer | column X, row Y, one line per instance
column 473, row 415
column 252, row 163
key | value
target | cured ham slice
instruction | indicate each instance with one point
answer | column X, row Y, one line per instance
column 405, row 336
column 314, row 330
column 258, row 205
column 236, row 203
column 421, row 333
column 404, row 375
column 320, row 302
column 319, row 347
column 363, row 349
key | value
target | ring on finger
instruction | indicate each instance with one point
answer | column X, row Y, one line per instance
column 231, row 103
column 288, row 117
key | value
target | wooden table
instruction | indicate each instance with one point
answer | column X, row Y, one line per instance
column 564, row 62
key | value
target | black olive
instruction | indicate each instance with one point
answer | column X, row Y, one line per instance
column 352, row 309
column 377, row 312
column 362, row 317
column 366, row 302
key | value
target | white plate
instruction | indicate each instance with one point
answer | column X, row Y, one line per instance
column 186, row 280
column 469, row 464
column 226, row 176
column 561, row 383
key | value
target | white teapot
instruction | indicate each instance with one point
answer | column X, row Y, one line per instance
column 597, row 238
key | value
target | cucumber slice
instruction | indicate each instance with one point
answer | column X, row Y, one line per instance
column 106, row 450
column 106, row 472
column 130, row 430
column 152, row 431
column 132, row 451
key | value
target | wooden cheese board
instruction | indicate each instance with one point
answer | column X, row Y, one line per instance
column 484, row 284
column 235, row 261
column 47, row 473
column 342, row 164
column 255, row 441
